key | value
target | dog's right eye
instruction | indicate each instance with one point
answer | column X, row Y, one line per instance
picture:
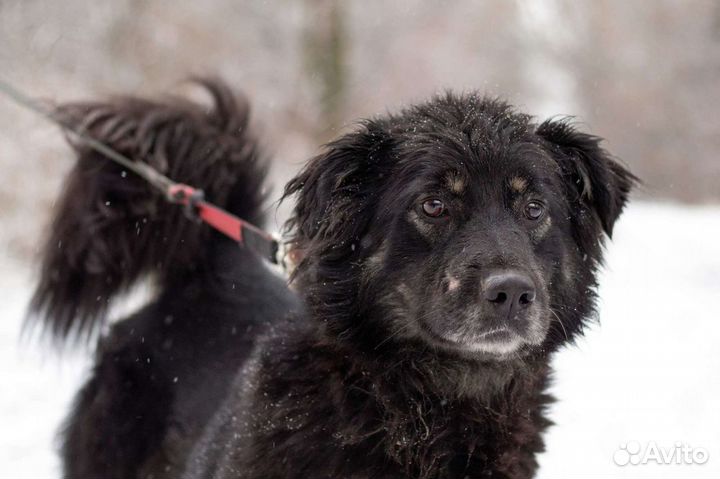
column 434, row 208
column 534, row 210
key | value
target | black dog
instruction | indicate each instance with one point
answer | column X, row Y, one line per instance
column 446, row 253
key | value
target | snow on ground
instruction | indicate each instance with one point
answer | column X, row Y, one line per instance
column 648, row 377
column 36, row 386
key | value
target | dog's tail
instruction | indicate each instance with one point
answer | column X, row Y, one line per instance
column 112, row 229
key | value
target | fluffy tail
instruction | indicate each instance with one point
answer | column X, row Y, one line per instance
column 111, row 228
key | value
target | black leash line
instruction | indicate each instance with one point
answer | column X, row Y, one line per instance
column 246, row 234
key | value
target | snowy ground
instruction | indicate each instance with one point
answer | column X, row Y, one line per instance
column 649, row 376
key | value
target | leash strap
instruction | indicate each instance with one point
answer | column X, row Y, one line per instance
column 230, row 225
column 246, row 234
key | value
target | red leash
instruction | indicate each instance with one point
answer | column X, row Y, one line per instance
column 246, row 234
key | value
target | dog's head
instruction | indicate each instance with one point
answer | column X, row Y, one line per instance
column 458, row 224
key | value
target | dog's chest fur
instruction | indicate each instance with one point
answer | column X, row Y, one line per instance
column 310, row 408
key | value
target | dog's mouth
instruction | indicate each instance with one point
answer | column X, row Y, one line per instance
column 471, row 333
column 494, row 342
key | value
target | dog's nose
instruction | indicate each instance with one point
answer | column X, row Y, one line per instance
column 508, row 291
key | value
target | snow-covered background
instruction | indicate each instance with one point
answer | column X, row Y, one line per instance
column 649, row 372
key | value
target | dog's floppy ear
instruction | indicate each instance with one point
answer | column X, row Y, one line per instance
column 334, row 191
column 602, row 183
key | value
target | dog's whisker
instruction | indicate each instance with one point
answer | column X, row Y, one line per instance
column 394, row 334
column 557, row 317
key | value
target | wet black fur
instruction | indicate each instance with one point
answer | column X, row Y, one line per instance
column 351, row 387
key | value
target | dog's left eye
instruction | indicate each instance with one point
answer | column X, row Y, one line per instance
column 534, row 210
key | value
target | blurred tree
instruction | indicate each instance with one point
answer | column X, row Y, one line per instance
column 324, row 44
